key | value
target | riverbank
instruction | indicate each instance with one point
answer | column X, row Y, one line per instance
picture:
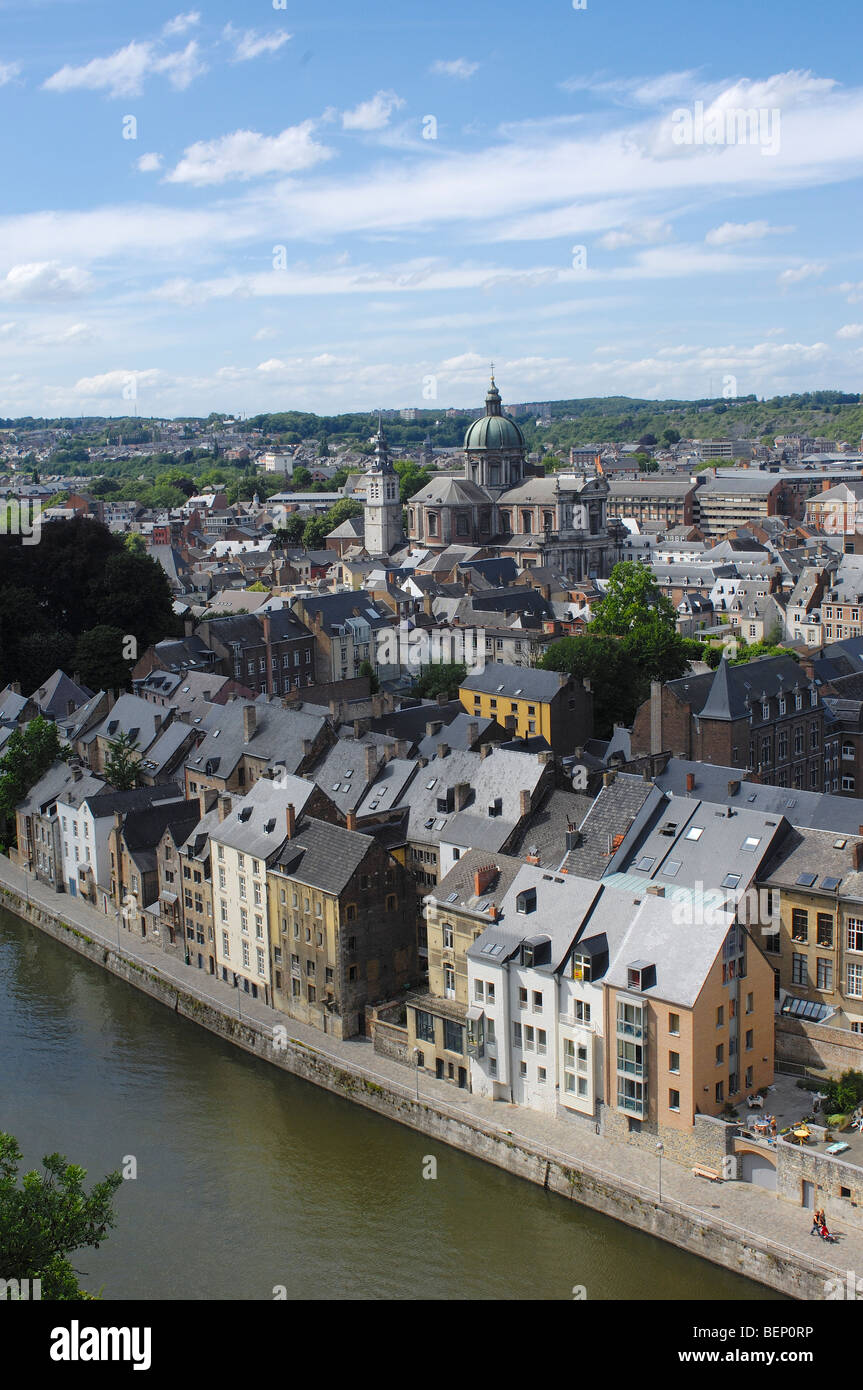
column 742, row 1231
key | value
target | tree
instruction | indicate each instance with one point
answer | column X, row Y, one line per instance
column 671, row 436
column 291, row 533
column 443, row 679
column 300, row 479
column 315, row 532
column 99, row 658
column 618, row 685
column 411, row 478
column 122, row 767
column 48, row 1218
column 29, row 753
column 636, row 611
column 367, row 670
column 134, row 543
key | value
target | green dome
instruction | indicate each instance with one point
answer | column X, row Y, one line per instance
column 494, row 432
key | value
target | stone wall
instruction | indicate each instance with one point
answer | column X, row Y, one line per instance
column 818, row 1046
column 389, row 1036
column 796, row 1163
column 707, row 1142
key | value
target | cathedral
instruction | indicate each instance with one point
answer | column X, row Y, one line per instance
column 498, row 504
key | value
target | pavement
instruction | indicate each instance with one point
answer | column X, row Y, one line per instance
column 760, row 1215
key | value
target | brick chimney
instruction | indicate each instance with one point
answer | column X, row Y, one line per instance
column 225, row 804
column 472, row 733
column 433, row 727
column 493, row 911
column 733, row 788
column 690, row 781
column 462, row 795
column 484, row 878
column 401, row 748
column 351, row 820
column 524, row 803
column 291, row 820
column 485, row 749
column 250, row 722
column 443, row 750
column 857, row 854
column 371, row 762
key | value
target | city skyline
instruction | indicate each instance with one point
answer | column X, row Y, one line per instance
column 259, row 210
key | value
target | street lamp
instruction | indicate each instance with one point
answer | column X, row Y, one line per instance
column 416, row 1056
column 659, row 1151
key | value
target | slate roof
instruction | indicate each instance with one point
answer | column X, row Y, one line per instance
column 278, row 737
column 544, row 831
column 523, row 682
column 822, row 853
column 683, row 955
column 820, row 810
column 612, row 813
column 460, row 880
column 455, row 734
column 103, row 800
column 563, row 902
column 257, row 822
column 723, row 694
column 410, row 721
column 323, row 856
column 58, row 694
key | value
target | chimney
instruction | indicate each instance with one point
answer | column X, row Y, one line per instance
column 433, row 727
column 307, row 747
column 291, row 819
column 250, row 722
column 484, row 878
column 225, row 804
column 157, row 722
column 492, row 911
column 352, row 820
column 608, row 778
column 690, row 781
column 472, row 733
column 733, row 788
column 524, row 803
column 462, row 795
column 485, row 749
column 76, row 774
column 442, row 700
column 188, row 627
column 443, row 750
column 371, row 762
column 656, row 716
column 377, row 706
column 657, row 890
column 401, row 748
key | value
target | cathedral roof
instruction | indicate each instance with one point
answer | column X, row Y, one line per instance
column 449, row 492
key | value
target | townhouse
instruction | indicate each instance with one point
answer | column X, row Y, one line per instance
column 532, row 703
column 347, row 629
column 244, row 739
column 86, row 811
column 272, row 653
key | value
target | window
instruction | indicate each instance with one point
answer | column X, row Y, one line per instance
column 478, row 990
column 522, row 998
column 720, row 1016
column 799, row 969
column 245, row 953
column 825, row 929
column 749, row 1003
column 448, row 982
column 452, row 1036
column 226, row 945
column 800, row 924
column 855, row 933
column 720, row 1054
column 719, row 1092
column 854, row 981
column 537, row 1002
column 824, row 973
column 674, row 1100
column 582, row 1012
column 674, row 1061
column 674, row 1025
column 748, row 1044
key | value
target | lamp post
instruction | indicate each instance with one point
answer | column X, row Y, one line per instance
column 659, row 1152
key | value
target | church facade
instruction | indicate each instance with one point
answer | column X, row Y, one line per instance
column 500, row 504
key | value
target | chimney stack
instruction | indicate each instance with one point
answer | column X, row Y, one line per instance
column 690, row 781
column 401, row 748
column 462, row 795
column 472, row 733
column 733, row 788
column 291, row 820
column 485, row 749
column 250, row 722
column 433, row 727
column 352, row 820
column 443, row 750
column 307, row 747
column 225, row 804
column 484, row 878
column 524, row 803
column 371, row 762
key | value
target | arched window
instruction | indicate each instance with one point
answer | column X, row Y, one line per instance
column 527, row 522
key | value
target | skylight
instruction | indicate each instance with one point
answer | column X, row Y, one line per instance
column 695, row 832
column 646, row 862
column 751, row 843
column 806, row 880
column 831, row 884
column 730, row 881
column 672, row 868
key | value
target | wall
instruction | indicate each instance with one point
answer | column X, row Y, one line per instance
column 795, row 1162
column 818, row 1046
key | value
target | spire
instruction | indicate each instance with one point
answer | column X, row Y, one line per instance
column 382, row 462
column 492, row 400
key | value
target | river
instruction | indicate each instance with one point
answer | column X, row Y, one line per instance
column 251, row 1181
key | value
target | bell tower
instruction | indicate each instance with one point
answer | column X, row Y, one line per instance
column 383, row 508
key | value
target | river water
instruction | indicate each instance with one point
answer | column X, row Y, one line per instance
column 251, row 1181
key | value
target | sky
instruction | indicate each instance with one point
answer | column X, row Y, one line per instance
column 332, row 206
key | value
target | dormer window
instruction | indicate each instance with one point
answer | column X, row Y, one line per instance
column 526, row 900
column 765, row 711
column 581, row 967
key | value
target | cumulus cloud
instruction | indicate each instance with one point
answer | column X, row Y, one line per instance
column 732, row 233
column 181, row 23
column 149, row 163
column 810, row 271
column 43, row 280
column 454, row 67
column 124, row 73
column 8, row 72
column 246, row 154
column 850, row 330
column 649, row 230
column 373, row 114
column 118, row 383
column 853, row 292
column 249, row 43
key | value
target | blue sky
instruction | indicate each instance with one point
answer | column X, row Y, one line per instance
column 335, row 206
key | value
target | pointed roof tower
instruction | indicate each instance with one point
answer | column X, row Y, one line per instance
column 382, row 463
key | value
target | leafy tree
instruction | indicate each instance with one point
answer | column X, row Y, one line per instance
column 134, row 543
column 257, row 588
column 301, row 479
column 291, row 534
column 617, row 683
column 845, row 1094
column 751, row 651
column 48, row 1217
column 99, row 658
column 443, row 679
column 636, row 611
column 367, row 670
column 315, row 532
column 671, row 436
column 411, row 478
column 29, row 753
column 122, row 768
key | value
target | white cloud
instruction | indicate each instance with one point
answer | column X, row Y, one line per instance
column 43, row 280
column 246, row 154
column 732, row 233
column 8, row 72
column 124, row 73
column 263, row 334
column 115, row 383
column 853, row 292
column 249, row 43
column 181, row 23
column 649, row 230
column 850, row 330
column 809, row 271
column 455, row 67
column 373, row 114
column 149, row 163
